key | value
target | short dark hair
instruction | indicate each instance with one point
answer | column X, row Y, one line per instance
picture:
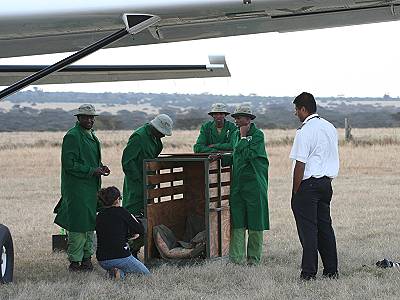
column 307, row 101
column 108, row 195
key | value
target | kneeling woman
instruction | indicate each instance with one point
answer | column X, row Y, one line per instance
column 114, row 225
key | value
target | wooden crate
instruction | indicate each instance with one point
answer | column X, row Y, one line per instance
column 177, row 185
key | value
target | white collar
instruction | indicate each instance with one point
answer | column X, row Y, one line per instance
column 310, row 117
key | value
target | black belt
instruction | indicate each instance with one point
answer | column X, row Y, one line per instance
column 320, row 178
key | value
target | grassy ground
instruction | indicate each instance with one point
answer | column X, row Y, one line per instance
column 365, row 213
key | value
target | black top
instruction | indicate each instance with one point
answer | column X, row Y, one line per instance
column 114, row 226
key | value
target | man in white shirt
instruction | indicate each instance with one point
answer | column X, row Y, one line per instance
column 316, row 162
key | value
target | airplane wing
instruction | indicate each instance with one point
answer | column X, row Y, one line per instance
column 40, row 27
column 107, row 73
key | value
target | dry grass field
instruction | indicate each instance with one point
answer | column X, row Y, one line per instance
column 365, row 210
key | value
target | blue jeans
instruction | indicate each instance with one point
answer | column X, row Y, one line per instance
column 125, row 265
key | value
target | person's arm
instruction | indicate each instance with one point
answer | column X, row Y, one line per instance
column 299, row 154
column 201, row 143
column 134, row 225
column 250, row 147
column 222, row 146
column 71, row 161
column 298, row 174
column 228, row 145
column 130, row 157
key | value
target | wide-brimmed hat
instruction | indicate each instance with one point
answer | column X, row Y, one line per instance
column 243, row 110
column 86, row 110
column 163, row 124
column 218, row 108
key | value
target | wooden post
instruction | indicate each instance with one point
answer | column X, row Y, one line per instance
column 347, row 134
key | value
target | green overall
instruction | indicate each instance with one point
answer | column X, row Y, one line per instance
column 248, row 197
column 209, row 135
column 141, row 145
column 80, row 156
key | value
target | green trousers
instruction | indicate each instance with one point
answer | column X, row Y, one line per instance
column 80, row 246
column 237, row 247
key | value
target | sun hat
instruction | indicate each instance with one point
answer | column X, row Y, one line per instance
column 163, row 124
column 87, row 110
column 218, row 108
column 243, row 110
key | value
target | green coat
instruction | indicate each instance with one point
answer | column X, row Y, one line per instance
column 209, row 135
column 80, row 156
column 141, row 145
column 248, row 197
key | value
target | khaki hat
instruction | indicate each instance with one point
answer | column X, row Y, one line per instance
column 218, row 108
column 86, row 110
column 163, row 124
column 243, row 110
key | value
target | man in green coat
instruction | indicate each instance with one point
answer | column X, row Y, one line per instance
column 144, row 143
column 215, row 136
column 81, row 169
column 248, row 197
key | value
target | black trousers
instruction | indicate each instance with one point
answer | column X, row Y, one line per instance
column 311, row 209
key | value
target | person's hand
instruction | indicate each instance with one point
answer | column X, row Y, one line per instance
column 106, row 171
column 214, row 157
column 244, row 130
column 98, row 172
column 211, row 146
column 135, row 236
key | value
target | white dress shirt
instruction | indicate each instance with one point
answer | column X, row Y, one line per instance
column 316, row 145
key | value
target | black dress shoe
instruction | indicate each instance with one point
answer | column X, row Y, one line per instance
column 384, row 263
column 307, row 276
column 331, row 275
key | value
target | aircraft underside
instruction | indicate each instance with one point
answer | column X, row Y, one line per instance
column 70, row 26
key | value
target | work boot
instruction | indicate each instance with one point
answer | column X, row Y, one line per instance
column 86, row 265
column 74, row 266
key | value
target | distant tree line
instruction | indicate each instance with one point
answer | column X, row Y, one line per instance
column 187, row 111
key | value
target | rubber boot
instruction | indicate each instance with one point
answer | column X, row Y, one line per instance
column 254, row 247
column 237, row 246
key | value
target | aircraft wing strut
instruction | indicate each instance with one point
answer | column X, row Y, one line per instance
column 134, row 23
column 110, row 73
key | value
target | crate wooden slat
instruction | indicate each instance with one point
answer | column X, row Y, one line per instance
column 215, row 247
column 159, row 165
column 167, row 191
column 225, row 191
column 223, row 170
column 224, row 177
column 167, row 177
column 215, row 199
column 214, row 185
